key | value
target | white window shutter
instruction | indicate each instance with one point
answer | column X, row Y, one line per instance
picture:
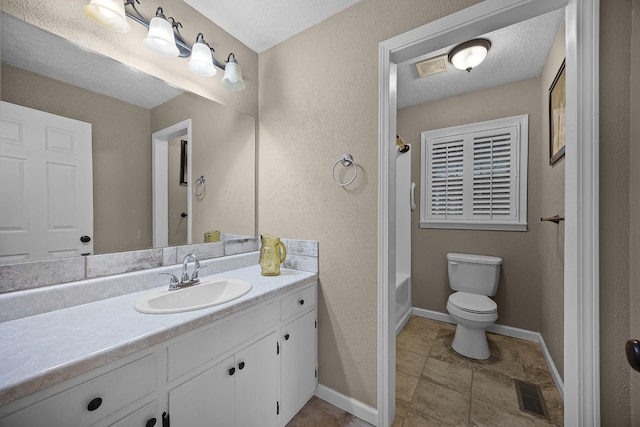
column 474, row 176
column 494, row 174
column 446, row 178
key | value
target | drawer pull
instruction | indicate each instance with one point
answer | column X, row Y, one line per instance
column 232, row 371
column 241, row 365
column 301, row 302
column 94, row 404
column 150, row 423
column 286, row 337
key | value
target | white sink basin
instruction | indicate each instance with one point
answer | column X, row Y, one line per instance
column 207, row 293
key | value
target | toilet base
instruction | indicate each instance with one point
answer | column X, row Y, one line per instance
column 471, row 343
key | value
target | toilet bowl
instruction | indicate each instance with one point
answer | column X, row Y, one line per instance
column 475, row 278
column 470, row 339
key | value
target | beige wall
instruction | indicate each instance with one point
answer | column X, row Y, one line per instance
column 67, row 19
column 318, row 100
column 121, row 154
column 615, row 75
column 634, row 201
column 518, row 296
column 551, row 201
column 224, row 147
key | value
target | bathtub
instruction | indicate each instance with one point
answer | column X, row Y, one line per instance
column 403, row 300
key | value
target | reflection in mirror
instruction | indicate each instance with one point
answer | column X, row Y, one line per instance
column 44, row 72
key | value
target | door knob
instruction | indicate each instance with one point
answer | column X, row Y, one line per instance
column 633, row 354
column 85, row 239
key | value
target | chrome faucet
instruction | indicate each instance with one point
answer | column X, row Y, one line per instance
column 186, row 280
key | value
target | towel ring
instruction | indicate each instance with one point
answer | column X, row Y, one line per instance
column 346, row 160
column 199, row 182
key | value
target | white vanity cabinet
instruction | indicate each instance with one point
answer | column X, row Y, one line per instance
column 241, row 390
column 298, row 358
column 254, row 367
column 89, row 402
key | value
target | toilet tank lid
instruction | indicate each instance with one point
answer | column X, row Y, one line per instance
column 478, row 259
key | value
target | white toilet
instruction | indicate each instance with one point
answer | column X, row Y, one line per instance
column 475, row 279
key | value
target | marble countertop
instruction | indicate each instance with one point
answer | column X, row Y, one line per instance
column 39, row 351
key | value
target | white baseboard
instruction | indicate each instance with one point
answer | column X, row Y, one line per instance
column 349, row 404
column 403, row 320
column 552, row 368
column 434, row 315
column 508, row 331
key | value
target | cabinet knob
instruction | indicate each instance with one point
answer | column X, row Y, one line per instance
column 286, row 337
column 94, row 404
column 150, row 423
column 301, row 302
column 241, row 365
column 232, row 371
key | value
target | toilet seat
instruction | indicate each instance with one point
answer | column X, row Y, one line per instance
column 473, row 303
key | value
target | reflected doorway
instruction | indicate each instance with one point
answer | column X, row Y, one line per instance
column 164, row 179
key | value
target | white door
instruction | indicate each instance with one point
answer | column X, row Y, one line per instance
column 46, row 185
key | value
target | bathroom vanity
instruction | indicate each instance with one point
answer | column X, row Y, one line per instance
column 248, row 362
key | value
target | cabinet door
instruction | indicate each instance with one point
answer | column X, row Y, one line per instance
column 257, row 384
column 297, row 365
column 206, row 400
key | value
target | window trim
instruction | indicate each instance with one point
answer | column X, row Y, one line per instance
column 521, row 122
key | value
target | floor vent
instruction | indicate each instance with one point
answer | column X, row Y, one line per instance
column 530, row 399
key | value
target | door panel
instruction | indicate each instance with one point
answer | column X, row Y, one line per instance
column 46, row 185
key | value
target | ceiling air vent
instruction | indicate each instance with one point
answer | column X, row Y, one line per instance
column 432, row 66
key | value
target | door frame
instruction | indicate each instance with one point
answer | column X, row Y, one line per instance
column 160, row 180
column 581, row 273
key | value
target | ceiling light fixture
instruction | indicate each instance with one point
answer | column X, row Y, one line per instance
column 470, row 54
column 164, row 38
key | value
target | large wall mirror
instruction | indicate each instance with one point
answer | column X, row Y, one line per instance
column 125, row 107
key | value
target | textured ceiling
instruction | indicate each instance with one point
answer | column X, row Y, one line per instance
column 517, row 52
column 262, row 24
column 31, row 48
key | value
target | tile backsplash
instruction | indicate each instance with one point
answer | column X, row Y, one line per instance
column 31, row 275
column 32, row 288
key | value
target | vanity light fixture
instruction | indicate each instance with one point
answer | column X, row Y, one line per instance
column 470, row 54
column 201, row 61
column 160, row 38
column 164, row 38
column 109, row 14
column 232, row 78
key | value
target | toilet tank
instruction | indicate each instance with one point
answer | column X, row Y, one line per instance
column 475, row 274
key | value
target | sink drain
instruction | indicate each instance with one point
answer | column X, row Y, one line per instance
column 530, row 399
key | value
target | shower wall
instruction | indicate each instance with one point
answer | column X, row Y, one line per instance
column 403, row 238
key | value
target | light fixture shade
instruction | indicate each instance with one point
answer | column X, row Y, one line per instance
column 232, row 79
column 108, row 13
column 201, row 62
column 469, row 55
column 160, row 38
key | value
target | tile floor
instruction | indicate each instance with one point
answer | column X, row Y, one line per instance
column 438, row 387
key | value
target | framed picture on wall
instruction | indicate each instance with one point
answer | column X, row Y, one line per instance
column 557, row 103
column 183, row 162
